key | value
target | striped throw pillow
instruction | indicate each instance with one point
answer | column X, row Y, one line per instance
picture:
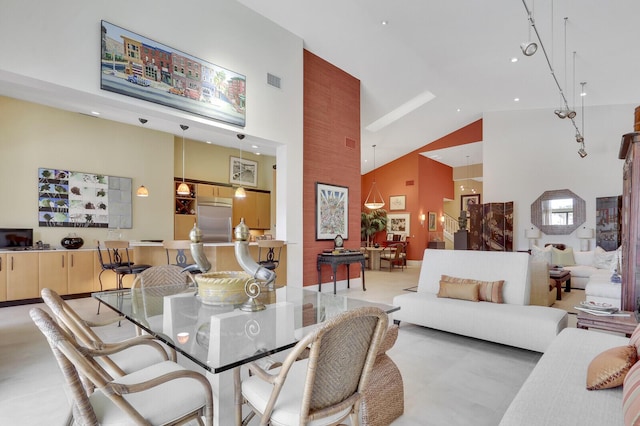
column 631, row 397
column 488, row 291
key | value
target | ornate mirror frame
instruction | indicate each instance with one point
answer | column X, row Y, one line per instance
column 579, row 212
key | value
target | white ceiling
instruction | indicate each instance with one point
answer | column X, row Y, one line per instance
column 460, row 51
column 457, row 50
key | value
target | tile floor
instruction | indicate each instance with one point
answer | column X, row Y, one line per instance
column 448, row 379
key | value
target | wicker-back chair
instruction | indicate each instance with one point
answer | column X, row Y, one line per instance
column 175, row 249
column 326, row 387
column 131, row 399
column 134, row 353
column 152, row 285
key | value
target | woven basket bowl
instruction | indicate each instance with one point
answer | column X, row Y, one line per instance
column 222, row 288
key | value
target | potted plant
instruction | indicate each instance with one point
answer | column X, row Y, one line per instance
column 371, row 223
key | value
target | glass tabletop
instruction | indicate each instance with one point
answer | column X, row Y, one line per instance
column 221, row 337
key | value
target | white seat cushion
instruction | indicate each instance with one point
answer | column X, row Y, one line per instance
column 159, row 405
column 286, row 411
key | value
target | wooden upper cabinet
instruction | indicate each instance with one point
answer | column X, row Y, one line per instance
column 210, row 191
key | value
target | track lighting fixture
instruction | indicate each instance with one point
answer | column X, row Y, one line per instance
column 529, row 48
column 582, row 152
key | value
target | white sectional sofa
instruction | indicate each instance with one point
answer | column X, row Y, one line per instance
column 514, row 322
column 555, row 392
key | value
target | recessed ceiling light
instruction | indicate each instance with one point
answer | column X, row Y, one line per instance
column 384, row 22
column 257, row 153
column 458, row 110
column 516, row 99
column 209, row 142
column 95, row 113
column 514, row 59
column 254, row 146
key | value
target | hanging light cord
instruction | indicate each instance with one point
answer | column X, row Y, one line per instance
column 546, row 56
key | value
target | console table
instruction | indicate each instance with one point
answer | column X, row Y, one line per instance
column 339, row 259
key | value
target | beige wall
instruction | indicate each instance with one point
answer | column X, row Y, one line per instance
column 211, row 162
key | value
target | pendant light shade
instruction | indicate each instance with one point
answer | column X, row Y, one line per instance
column 183, row 188
column 374, row 199
column 142, row 191
column 240, row 192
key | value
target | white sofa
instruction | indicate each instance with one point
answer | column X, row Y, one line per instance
column 514, row 322
column 593, row 273
column 555, row 392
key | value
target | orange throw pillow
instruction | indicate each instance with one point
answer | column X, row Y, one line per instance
column 488, row 291
column 608, row 369
column 459, row 291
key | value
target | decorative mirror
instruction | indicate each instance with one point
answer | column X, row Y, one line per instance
column 558, row 212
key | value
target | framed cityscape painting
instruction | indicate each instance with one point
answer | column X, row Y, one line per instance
column 137, row 66
column 332, row 211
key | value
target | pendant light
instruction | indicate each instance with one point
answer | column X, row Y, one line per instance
column 183, row 188
column 377, row 202
column 142, row 191
column 240, row 192
column 529, row 48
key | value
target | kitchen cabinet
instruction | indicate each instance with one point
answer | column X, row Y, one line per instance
column 80, row 268
column 255, row 208
column 52, row 271
column 209, row 191
column 182, row 225
column 3, row 277
column 22, row 276
column 185, row 211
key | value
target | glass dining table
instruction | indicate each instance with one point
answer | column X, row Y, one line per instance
column 220, row 338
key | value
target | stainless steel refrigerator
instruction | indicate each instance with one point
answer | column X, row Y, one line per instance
column 214, row 219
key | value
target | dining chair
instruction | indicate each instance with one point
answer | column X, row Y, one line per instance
column 161, row 394
column 269, row 253
column 395, row 255
column 326, row 387
column 151, row 286
column 135, row 353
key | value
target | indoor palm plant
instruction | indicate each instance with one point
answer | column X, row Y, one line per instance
column 371, row 223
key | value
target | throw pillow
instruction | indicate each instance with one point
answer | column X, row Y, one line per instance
column 608, row 369
column 459, row 291
column 488, row 291
column 635, row 339
column 562, row 257
column 541, row 254
column 602, row 259
column 631, row 396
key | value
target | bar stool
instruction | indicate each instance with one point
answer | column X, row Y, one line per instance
column 269, row 253
column 118, row 255
column 180, row 258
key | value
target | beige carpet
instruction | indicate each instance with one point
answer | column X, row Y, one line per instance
column 570, row 300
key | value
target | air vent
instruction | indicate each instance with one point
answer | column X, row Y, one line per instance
column 350, row 143
column 273, row 80
column 409, row 183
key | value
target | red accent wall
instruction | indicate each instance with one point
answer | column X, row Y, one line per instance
column 432, row 183
column 331, row 124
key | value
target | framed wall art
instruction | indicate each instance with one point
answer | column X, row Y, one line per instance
column 397, row 202
column 332, row 211
column 73, row 199
column 243, row 172
column 433, row 224
column 137, row 66
column 466, row 200
column 398, row 223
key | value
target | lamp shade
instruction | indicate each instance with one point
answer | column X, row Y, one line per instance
column 532, row 233
column 584, row 232
column 142, row 191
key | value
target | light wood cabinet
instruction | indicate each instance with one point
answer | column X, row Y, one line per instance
column 22, row 276
column 182, row 225
column 80, row 268
column 255, row 208
column 209, row 191
column 52, row 272
column 3, row 277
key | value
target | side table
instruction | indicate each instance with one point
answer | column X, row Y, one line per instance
column 617, row 324
column 558, row 278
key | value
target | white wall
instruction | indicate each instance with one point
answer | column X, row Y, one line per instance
column 529, row 152
column 57, row 44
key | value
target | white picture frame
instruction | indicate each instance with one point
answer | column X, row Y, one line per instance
column 243, row 172
column 399, row 223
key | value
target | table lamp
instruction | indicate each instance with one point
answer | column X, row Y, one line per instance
column 532, row 234
column 585, row 234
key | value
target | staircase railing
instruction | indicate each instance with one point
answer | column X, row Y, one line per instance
column 450, row 226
